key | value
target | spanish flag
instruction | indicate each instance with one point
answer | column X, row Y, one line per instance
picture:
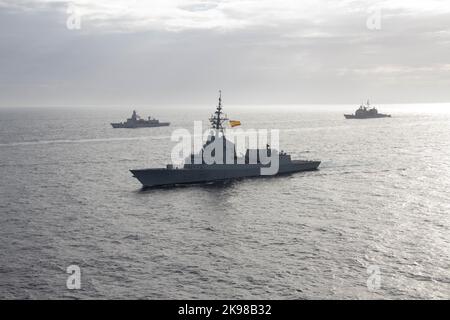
column 234, row 123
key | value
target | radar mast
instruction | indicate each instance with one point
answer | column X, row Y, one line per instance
column 218, row 118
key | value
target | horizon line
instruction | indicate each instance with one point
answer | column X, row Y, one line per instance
column 172, row 105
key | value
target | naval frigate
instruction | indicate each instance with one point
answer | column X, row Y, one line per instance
column 137, row 122
column 365, row 112
column 196, row 172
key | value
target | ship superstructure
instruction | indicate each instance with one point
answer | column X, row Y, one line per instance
column 137, row 122
column 366, row 112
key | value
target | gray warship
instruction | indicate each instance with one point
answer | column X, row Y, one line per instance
column 197, row 172
column 365, row 112
column 137, row 122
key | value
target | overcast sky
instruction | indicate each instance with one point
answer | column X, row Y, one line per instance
column 257, row 51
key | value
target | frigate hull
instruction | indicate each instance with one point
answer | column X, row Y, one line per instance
column 125, row 125
column 379, row 115
column 212, row 173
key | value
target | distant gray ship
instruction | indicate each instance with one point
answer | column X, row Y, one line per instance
column 192, row 173
column 136, row 122
column 365, row 112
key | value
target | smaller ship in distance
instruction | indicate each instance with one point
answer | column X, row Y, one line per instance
column 137, row 122
column 366, row 112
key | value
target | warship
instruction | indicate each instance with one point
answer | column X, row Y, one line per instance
column 197, row 170
column 365, row 112
column 137, row 122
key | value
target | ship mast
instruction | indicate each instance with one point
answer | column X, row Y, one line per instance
column 218, row 118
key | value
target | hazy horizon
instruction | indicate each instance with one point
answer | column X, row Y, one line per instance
column 181, row 52
column 142, row 109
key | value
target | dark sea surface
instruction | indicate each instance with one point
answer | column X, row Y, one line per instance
column 380, row 201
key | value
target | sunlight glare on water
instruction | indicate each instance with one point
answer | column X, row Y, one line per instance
column 379, row 199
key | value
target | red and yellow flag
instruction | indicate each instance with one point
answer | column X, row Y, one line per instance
column 235, row 123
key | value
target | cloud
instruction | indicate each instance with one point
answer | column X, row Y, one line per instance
column 260, row 50
column 223, row 15
column 397, row 70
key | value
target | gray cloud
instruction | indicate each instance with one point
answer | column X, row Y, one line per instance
column 184, row 53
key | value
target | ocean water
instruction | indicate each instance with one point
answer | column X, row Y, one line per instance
column 373, row 222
